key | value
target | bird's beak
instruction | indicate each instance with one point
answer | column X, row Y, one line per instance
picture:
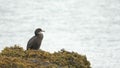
column 43, row 31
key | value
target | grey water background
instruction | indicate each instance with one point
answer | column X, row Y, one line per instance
column 89, row 27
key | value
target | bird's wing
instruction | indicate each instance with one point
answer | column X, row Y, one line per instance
column 31, row 42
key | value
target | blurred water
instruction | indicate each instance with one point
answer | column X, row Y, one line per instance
column 89, row 27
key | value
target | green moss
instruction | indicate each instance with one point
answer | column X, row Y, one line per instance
column 17, row 57
column 15, row 51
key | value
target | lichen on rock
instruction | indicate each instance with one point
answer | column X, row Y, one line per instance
column 17, row 57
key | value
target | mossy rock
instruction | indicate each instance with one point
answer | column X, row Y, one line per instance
column 17, row 57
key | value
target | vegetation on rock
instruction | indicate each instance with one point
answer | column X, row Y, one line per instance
column 17, row 57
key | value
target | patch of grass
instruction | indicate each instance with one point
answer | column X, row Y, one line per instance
column 17, row 57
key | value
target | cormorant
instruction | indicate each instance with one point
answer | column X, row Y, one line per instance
column 35, row 42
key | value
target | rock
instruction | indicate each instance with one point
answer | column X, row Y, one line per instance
column 17, row 57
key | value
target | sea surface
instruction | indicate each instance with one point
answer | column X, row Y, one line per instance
column 89, row 27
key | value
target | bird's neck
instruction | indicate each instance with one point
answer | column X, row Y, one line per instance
column 39, row 35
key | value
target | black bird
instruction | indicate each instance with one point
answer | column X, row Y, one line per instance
column 35, row 42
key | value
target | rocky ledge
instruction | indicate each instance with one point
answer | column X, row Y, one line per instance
column 17, row 57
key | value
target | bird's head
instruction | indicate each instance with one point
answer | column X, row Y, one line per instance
column 38, row 31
